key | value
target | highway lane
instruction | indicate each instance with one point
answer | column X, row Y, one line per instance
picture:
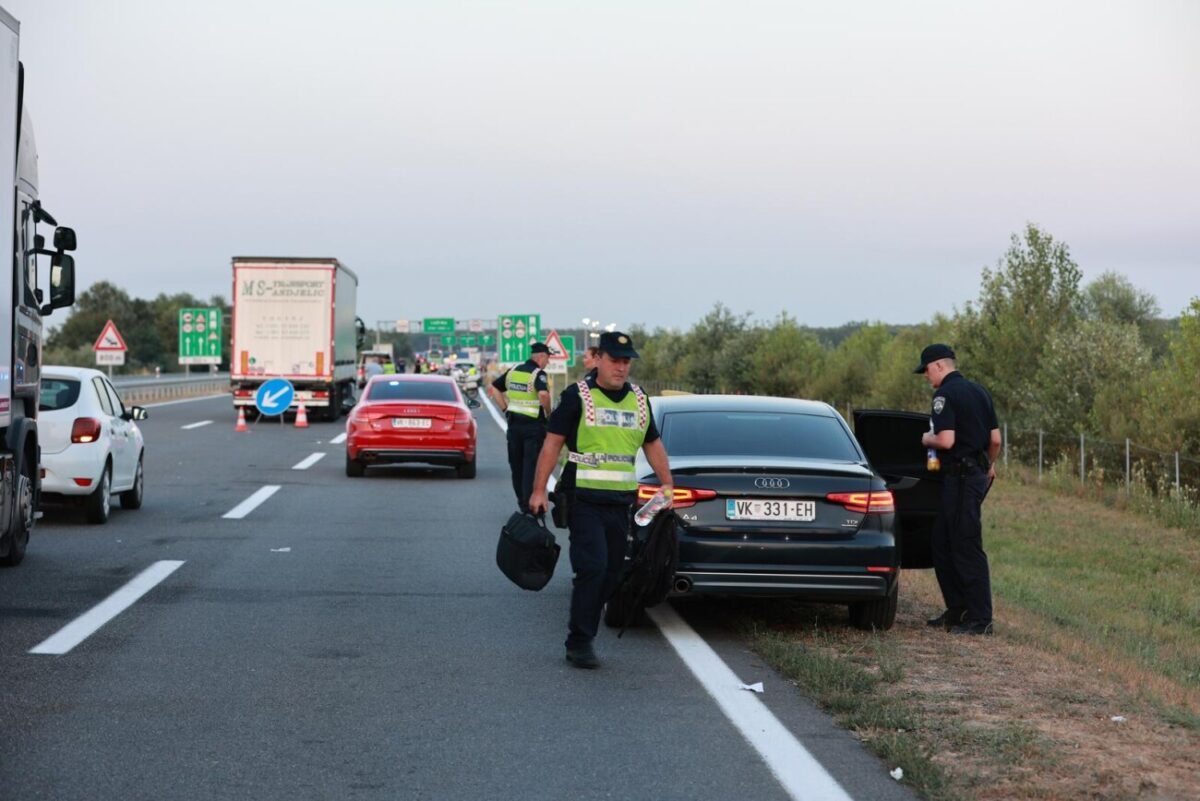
column 347, row 638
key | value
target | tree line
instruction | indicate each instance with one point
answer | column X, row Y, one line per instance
column 1056, row 354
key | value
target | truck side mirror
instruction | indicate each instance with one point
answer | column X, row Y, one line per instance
column 62, row 282
column 360, row 332
column 64, row 238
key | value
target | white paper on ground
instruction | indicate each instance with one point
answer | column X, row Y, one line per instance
column 756, row 687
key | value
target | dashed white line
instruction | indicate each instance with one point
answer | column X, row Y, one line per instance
column 90, row 622
column 308, row 461
column 250, row 504
column 201, row 424
column 339, row 439
column 801, row 775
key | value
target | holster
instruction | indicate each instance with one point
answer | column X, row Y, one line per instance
column 560, row 512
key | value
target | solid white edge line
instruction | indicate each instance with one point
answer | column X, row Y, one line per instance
column 339, row 439
column 802, row 776
column 201, row 424
column 552, row 482
column 308, row 461
column 183, row 400
column 90, row 621
column 250, row 504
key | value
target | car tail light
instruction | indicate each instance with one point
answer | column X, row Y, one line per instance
column 865, row 502
column 683, row 496
column 880, row 569
column 243, row 393
column 462, row 420
column 83, row 482
column 320, row 393
column 85, row 429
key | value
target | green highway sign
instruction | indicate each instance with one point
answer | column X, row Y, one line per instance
column 469, row 341
column 487, row 339
column 438, row 325
column 449, row 340
column 517, row 333
column 569, row 343
column 200, row 336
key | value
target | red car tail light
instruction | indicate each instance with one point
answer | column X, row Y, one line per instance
column 462, row 420
column 683, row 496
column 865, row 502
column 85, row 429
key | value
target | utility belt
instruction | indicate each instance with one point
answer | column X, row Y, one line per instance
column 968, row 465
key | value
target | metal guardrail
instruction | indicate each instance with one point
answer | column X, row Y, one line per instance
column 145, row 389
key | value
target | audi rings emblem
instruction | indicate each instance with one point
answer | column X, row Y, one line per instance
column 772, row 483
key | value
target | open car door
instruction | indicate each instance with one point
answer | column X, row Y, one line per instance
column 892, row 442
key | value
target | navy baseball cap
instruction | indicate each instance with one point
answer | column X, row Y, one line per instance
column 617, row 345
column 539, row 347
column 932, row 354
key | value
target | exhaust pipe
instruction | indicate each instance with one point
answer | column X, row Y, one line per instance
column 683, row 584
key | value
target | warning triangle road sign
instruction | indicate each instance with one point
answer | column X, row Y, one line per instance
column 110, row 338
column 557, row 349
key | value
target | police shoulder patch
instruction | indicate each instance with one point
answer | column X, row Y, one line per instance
column 939, row 403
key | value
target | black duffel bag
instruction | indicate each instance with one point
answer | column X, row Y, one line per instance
column 527, row 551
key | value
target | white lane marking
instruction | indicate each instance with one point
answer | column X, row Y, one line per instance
column 201, row 424
column 308, row 461
column 250, row 504
column 184, row 400
column 802, row 776
column 551, row 482
column 339, row 439
column 90, row 621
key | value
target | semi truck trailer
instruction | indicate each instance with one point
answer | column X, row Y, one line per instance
column 294, row 318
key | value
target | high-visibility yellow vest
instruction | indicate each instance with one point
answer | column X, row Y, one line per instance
column 607, row 439
column 521, row 394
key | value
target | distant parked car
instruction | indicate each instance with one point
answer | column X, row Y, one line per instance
column 91, row 444
column 411, row 418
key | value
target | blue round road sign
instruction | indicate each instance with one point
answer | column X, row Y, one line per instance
column 274, row 397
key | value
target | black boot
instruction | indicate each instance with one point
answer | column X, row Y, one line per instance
column 583, row 656
column 976, row 627
column 948, row 619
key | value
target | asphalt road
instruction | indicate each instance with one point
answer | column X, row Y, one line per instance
column 382, row 657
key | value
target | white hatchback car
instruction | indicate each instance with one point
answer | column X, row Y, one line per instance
column 91, row 446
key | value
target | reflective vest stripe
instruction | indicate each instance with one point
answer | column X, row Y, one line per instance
column 607, row 476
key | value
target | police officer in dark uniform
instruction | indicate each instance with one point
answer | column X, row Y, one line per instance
column 604, row 420
column 523, row 393
column 967, row 438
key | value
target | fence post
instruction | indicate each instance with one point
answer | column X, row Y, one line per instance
column 1039, row 454
column 1127, row 467
column 1082, row 473
column 1006, row 446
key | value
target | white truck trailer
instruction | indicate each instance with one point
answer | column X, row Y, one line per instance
column 295, row 319
column 22, row 301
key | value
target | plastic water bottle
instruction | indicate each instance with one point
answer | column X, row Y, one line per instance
column 651, row 508
column 932, row 463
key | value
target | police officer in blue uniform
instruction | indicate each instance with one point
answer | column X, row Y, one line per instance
column 523, row 393
column 603, row 420
column 967, row 438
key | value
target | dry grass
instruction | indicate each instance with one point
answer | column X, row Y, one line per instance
column 1098, row 616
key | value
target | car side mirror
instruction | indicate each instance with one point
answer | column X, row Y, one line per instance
column 472, row 403
column 64, row 238
column 62, row 283
column 135, row 413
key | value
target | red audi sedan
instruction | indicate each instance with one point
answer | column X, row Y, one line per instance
column 411, row 418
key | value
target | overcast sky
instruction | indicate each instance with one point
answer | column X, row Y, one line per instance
column 628, row 161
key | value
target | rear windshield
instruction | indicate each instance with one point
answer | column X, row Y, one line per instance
column 412, row 390
column 715, row 433
column 58, row 393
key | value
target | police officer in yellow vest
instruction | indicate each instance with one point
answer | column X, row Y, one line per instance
column 524, row 393
column 603, row 420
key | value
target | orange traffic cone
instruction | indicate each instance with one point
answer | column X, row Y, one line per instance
column 241, row 421
column 301, row 417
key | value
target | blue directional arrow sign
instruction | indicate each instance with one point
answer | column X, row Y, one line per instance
column 274, row 397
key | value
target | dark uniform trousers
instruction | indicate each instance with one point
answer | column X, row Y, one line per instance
column 524, row 444
column 959, row 561
column 598, row 537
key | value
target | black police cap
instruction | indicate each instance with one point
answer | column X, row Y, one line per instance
column 539, row 347
column 932, row 354
column 617, row 345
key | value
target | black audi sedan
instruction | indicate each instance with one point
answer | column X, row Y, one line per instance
column 776, row 496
